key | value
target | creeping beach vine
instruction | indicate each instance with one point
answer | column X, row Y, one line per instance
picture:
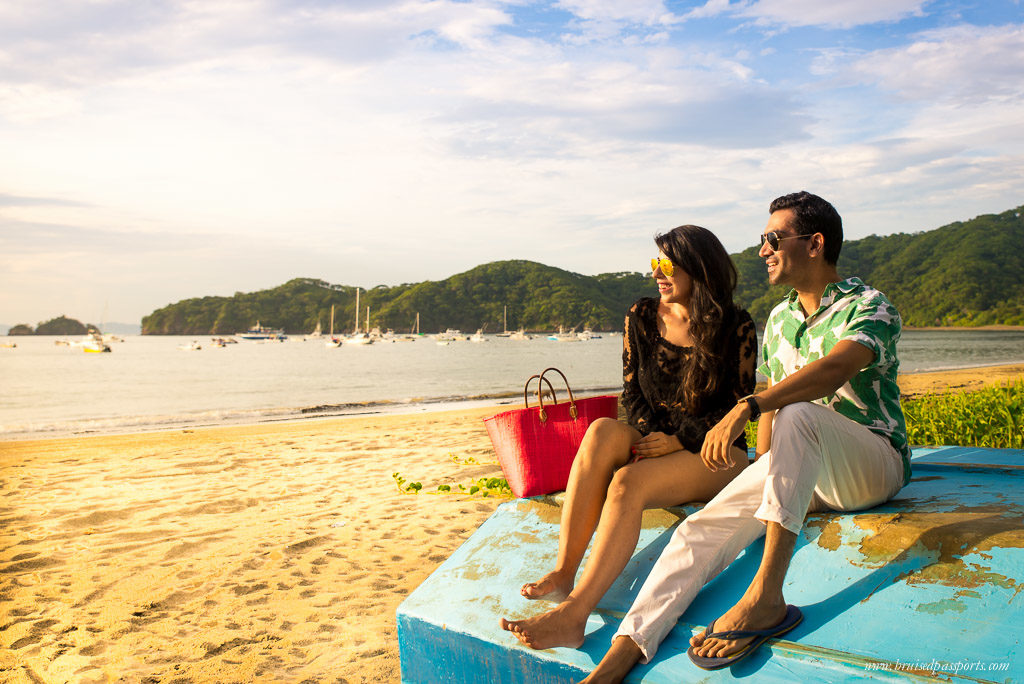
column 482, row 486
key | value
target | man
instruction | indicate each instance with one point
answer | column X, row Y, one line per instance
column 831, row 435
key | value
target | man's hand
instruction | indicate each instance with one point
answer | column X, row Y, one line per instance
column 654, row 445
column 716, row 452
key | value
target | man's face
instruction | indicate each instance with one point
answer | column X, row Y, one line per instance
column 789, row 259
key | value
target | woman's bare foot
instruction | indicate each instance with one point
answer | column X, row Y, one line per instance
column 746, row 615
column 563, row 625
column 554, row 586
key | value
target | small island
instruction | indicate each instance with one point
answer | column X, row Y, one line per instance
column 62, row 325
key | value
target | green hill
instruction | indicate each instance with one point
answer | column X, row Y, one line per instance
column 538, row 297
column 967, row 273
column 62, row 325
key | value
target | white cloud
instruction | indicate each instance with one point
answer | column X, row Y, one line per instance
column 603, row 20
column 832, row 14
column 646, row 12
column 964, row 63
column 712, row 8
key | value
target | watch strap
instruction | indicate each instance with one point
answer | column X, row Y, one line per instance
column 755, row 409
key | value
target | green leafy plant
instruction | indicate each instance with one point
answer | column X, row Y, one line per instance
column 488, row 486
column 482, row 486
column 989, row 417
column 406, row 487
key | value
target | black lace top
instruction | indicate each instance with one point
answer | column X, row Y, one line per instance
column 652, row 368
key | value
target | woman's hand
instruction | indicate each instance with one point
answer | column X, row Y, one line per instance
column 654, row 445
column 716, row 451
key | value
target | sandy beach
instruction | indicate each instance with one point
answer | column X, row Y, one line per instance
column 276, row 552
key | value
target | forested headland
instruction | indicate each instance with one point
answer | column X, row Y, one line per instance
column 62, row 325
column 968, row 273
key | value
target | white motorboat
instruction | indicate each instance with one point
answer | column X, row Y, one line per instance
column 94, row 343
column 359, row 338
column 259, row 332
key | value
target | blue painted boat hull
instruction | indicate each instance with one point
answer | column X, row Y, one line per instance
column 923, row 588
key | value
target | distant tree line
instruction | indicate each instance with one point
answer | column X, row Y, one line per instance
column 535, row 297
column 57, row 326
column 965, row 274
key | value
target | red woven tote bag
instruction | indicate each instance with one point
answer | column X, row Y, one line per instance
column 536, row 445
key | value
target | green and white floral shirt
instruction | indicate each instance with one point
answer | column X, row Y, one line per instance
column 850, row 310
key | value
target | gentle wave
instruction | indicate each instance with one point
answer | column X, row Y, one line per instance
column 215, row 418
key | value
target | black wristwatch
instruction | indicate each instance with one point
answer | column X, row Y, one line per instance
column 755, row 410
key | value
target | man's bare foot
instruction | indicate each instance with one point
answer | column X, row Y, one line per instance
column 617, row 662
column 563, row 625
column 554, row 586
column 745, row 615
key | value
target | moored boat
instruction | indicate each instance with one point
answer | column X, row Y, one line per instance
column 259, row 332
column 93, row 343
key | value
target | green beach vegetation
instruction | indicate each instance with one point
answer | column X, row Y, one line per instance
column 991, row 417
column 967, row 273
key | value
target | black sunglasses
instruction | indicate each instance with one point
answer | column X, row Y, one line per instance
column 773, row 238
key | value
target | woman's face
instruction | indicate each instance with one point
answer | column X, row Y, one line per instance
column 674, row 289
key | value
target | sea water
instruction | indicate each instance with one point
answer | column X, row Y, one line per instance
column 151, row 382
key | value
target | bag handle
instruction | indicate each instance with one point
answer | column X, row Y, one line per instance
column 540, row 390
column 572, row 400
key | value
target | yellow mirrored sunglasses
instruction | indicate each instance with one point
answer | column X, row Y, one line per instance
column 667, row 268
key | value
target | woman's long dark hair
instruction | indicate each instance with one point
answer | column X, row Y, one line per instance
column 697, row 251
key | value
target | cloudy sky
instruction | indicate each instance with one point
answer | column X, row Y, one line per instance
column 153, row 151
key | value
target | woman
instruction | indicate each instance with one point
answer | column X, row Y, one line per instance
column 688, row 357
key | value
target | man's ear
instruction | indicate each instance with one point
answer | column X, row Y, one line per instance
column 817, row 245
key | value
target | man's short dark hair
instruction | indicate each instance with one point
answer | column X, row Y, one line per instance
column 814, row 215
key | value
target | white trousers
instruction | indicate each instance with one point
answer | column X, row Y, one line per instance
column 819, row 460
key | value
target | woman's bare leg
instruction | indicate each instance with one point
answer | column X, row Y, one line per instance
column 604, row 449
column 651, row 483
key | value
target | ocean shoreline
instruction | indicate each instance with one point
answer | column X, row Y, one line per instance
column 910, row 384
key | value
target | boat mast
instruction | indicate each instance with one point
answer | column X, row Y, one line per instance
column 504, row 318
column 367, row 319
column 357, row 309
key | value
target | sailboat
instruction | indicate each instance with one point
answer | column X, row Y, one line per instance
column 504, row 325
column 563, row 336
column 357, row 337
column 333, row 341
column 413, row 333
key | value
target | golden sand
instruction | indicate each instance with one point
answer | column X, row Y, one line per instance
column 264, row 553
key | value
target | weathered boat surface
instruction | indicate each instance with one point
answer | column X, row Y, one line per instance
column 923, row 588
